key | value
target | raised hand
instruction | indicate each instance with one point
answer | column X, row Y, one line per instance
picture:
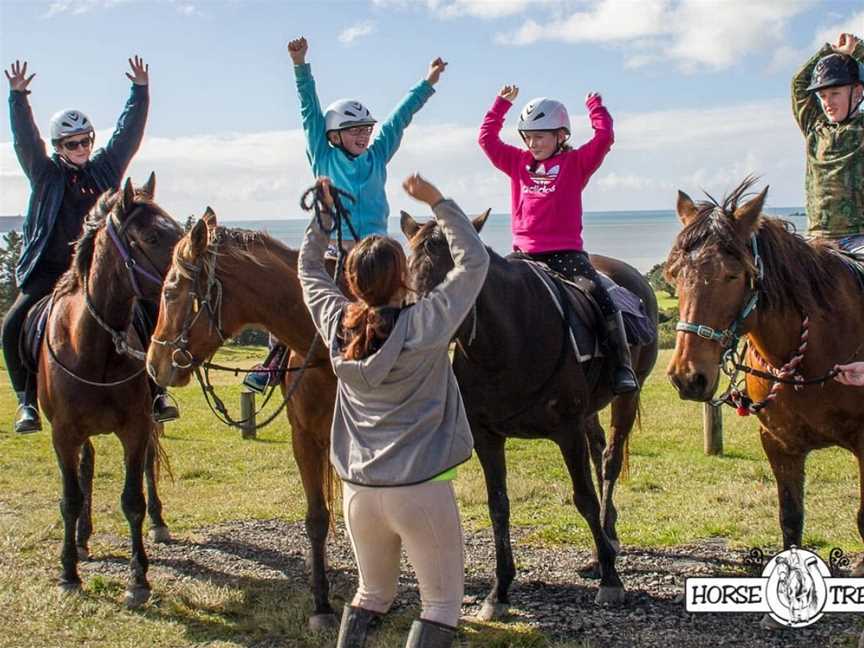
column 846, row 44
column 18, row 80
column 436, row 67
column 140, row 72
column 420, row 189
column 593, row 95
column 509, row 92
column 324, row 183
column 297, row 48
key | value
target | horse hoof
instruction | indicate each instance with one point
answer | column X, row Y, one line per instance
column 493, row 611
column 68, row 587
column 769, row 623
column 160, row 534
column 83, row 553
column 610, row 596
column 323, row 622
column 858, row 570
column 589, row 571
column 137, row 597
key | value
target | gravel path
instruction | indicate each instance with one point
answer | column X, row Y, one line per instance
column 548, row 594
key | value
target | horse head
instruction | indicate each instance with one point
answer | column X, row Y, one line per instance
column 188, row 328
column 430, row 259
column 714, row 265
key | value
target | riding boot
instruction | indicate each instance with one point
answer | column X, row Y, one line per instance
column 428, row 634
column 354, row 627
column 623, row 377
column 163, row 409
column 27, row 418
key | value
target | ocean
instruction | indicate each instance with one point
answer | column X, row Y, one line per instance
column 642, row 238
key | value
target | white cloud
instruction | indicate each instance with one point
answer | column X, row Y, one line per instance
column 261, row 175
column 484, row 9
column 852, row 25
column 350, row 34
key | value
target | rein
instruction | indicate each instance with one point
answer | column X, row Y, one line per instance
column 211, row 302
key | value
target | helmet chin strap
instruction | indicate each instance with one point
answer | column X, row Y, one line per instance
column 69, row 163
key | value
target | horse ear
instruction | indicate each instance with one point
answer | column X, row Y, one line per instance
column 409, row 226
column 128, row 197
column 480, row 221
column 149, row 187
column 747, row 215
column 198, row 237
column 209, row 217
column 687, row 210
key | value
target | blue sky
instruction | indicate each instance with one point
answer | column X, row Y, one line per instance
column 698, row 88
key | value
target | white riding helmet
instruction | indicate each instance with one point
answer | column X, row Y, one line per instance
column 544, row 114
column 346, row 113
column 69, row 122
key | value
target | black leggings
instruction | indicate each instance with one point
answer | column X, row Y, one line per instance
column 36, row 287
column 572, row 264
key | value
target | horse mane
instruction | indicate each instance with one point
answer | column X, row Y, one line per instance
column 798, row 275
column 82, row 257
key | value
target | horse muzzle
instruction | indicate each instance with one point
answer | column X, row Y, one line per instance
column 693, row 385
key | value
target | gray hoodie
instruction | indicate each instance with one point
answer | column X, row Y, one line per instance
column 399, row 417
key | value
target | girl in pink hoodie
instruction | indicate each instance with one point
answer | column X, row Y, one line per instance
column 546, row 183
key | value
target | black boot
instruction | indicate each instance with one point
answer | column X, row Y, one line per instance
column 28, row 420
column 163, row 409
column 428, row 634
column 354, row 627
column 624, row 378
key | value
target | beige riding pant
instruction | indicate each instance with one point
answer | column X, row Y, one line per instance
column 425, row 520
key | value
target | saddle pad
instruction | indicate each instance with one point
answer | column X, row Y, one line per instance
column 852, row 251
column 30, row 338
column 573, row 301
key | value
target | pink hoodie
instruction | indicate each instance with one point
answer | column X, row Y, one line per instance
column 546, row 204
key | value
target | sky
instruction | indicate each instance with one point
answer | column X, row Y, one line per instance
column 698, row 89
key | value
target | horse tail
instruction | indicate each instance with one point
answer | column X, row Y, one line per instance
column 331, row 490
column 160, row 454
column 625, row 463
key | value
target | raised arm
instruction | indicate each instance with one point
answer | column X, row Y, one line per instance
column 437, row 316
column 129, row 131
column 320, row 294
column 311, row 115
column 29, row 147
column 390, row 133
column 805, row 105
column 503, row 156
column 592, row 152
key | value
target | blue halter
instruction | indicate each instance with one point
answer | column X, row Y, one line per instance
column 728, row 337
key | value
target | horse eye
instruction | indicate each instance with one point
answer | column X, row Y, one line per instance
column 731, row 277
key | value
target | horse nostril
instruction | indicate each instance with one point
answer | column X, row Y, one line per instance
column 150, row 370
column 699, row 383
column 676, row 382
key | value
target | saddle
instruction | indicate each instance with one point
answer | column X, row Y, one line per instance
column 33, row 332
column 575, row 304
column 851, row 250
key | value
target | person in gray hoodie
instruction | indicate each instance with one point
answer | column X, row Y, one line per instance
column 399, row 425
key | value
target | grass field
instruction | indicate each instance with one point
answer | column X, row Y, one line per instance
column 674, row 494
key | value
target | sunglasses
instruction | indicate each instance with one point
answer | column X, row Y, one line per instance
column 358, row 130
column 73, row 145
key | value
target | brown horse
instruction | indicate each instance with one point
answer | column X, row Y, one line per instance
column 798, row 304
column 240, row 278
column 87, row 386
column 519, row 378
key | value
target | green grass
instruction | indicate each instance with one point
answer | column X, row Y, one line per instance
column 674, row 495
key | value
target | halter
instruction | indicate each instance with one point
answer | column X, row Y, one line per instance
column 728, row 337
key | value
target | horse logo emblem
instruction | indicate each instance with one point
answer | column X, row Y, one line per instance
column 796, row 589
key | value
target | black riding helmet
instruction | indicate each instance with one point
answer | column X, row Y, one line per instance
column 834, row 70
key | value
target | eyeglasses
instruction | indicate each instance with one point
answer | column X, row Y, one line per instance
column 358, row 130
column 73, row 145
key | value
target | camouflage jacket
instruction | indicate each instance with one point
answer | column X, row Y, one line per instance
column 835, row 159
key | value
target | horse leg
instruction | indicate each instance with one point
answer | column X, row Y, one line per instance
column 596, row 438
column 135, row 442
column 490, row 451
column 85, row 482
column 158, row 529
column 71, row 505
column 788, row 471
column 574, row 449
column 858, row 570
column 624, row 409
column 311, row 455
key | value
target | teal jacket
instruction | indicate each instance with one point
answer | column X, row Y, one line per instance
column 363, row 177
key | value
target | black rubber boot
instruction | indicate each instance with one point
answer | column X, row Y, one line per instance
column 354, row 627
column 428, row 634
column 624, row 378
column 163, row 409
column 27, row 421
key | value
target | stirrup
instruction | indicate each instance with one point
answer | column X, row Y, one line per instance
column 27, row 420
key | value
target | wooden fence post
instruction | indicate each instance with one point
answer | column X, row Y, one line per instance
column 712, row 425
column 247, row 414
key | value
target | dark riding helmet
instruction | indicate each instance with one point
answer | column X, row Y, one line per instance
column 834, row 70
